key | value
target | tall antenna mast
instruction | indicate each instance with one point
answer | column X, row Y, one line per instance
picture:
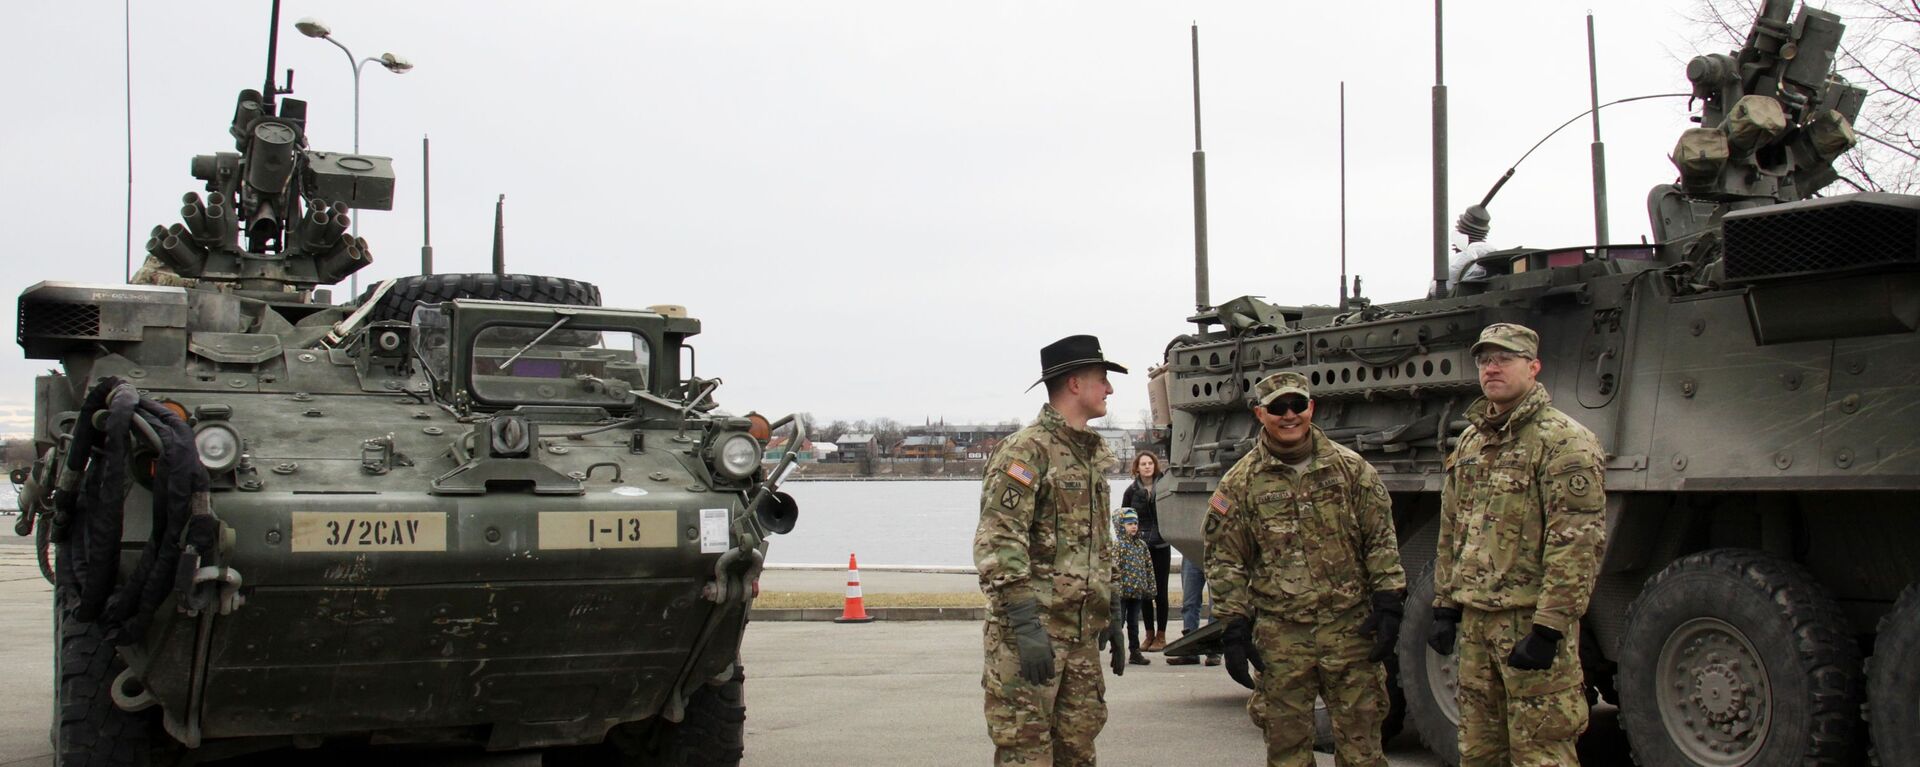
column 1439, row 156
column 1599, row 149
column 1200, row 299
column 1343, row 195
column 426, row 208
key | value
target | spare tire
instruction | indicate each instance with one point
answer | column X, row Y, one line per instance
column 416, row 289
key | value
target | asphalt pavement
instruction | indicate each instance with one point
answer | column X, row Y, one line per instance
column 818, row 693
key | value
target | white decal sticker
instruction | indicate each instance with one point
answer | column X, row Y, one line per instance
column 628, row 490
column 713, row 531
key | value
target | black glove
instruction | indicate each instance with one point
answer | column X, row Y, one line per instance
column 1115, row 644
column 1383, row 624
column 1238, row 643
column 1535, row 651
column 1030, row 638
column 1446, row 623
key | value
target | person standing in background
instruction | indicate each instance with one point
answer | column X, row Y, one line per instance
column 1139, row 496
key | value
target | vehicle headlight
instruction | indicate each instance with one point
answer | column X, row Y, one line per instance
column 218, row 445
column 736, row 456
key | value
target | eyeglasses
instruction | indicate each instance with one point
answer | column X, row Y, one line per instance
column 1498, row 359
column 1285, row 405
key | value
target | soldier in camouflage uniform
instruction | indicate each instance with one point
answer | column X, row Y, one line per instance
column 1046, row 565
column 1305, row 569
column 1521, row 531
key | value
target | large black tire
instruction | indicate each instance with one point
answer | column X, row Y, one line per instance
column 712, row 734
column 1893, row 684
column 414, row 290
column 1427, row 678
column 1733, row 656
column 88, row 729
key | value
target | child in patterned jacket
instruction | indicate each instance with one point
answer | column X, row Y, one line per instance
column 1134, row 577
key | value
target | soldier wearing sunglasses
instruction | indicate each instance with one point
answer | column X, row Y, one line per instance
column 1306, row 573
column 1521, row 531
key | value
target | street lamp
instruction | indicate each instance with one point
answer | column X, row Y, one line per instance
column 393, row 62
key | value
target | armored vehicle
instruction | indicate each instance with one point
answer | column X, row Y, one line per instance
column 1754, row 377
column 473, row 510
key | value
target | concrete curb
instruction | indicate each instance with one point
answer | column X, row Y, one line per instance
column 878, row 613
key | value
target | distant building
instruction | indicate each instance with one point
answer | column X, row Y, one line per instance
column 777, row 449
column 855, row 448
column 983, row 449
column 1120, row 442
column 924, row 447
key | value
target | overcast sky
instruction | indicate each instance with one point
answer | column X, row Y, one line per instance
column 875, row 208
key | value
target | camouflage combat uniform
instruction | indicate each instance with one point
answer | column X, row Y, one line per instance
column 1044, row 534
column 1520, row 538
column 1299, row 552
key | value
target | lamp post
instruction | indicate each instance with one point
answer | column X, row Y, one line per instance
column 393, row 62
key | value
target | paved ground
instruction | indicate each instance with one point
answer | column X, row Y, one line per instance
column 819, row 693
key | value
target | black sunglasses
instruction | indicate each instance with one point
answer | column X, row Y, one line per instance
column 1285, row 405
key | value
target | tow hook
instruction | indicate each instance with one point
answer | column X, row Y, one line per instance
column 227, row 580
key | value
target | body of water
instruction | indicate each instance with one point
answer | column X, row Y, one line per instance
column 906, row 522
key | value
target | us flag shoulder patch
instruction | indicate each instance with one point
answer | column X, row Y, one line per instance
column 1220, row 504
column 1021, row 473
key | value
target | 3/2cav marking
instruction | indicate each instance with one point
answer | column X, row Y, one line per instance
column 372, row 533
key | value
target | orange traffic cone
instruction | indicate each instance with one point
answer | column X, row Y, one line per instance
column 856, row 608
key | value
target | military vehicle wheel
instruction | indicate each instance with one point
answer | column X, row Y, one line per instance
column 712, row 734
column 88, row 729
column 1893, row 684
column 1738, row 657
column 1427, row 678
column 414, row 290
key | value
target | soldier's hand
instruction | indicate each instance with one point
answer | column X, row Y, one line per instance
column 1446, row 623
column 1117, row 658
column 1237, row 641
column 1383, row 624
column 1535, row 651
column 1030, row 639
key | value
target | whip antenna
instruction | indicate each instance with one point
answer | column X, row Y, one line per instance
column 1201, row 302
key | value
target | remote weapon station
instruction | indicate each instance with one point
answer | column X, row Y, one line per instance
column 472, row 509
column 1753, row 375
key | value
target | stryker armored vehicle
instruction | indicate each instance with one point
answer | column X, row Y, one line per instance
column 1754, row 377
column 473, row 510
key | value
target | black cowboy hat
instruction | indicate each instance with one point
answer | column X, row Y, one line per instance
column 1069, row 354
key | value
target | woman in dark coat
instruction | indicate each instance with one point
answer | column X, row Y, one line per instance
column 1139, row 497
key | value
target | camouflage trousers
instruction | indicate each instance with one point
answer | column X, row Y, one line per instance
column 1328, row 660
column 1050, row 724
column 1510, row 716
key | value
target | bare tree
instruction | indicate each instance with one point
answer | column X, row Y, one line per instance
column 1881, row 53
column 17, row 453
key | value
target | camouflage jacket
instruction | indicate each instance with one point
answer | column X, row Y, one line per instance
column 1302, row 546
column 1044, row 529
column 1520, row 514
